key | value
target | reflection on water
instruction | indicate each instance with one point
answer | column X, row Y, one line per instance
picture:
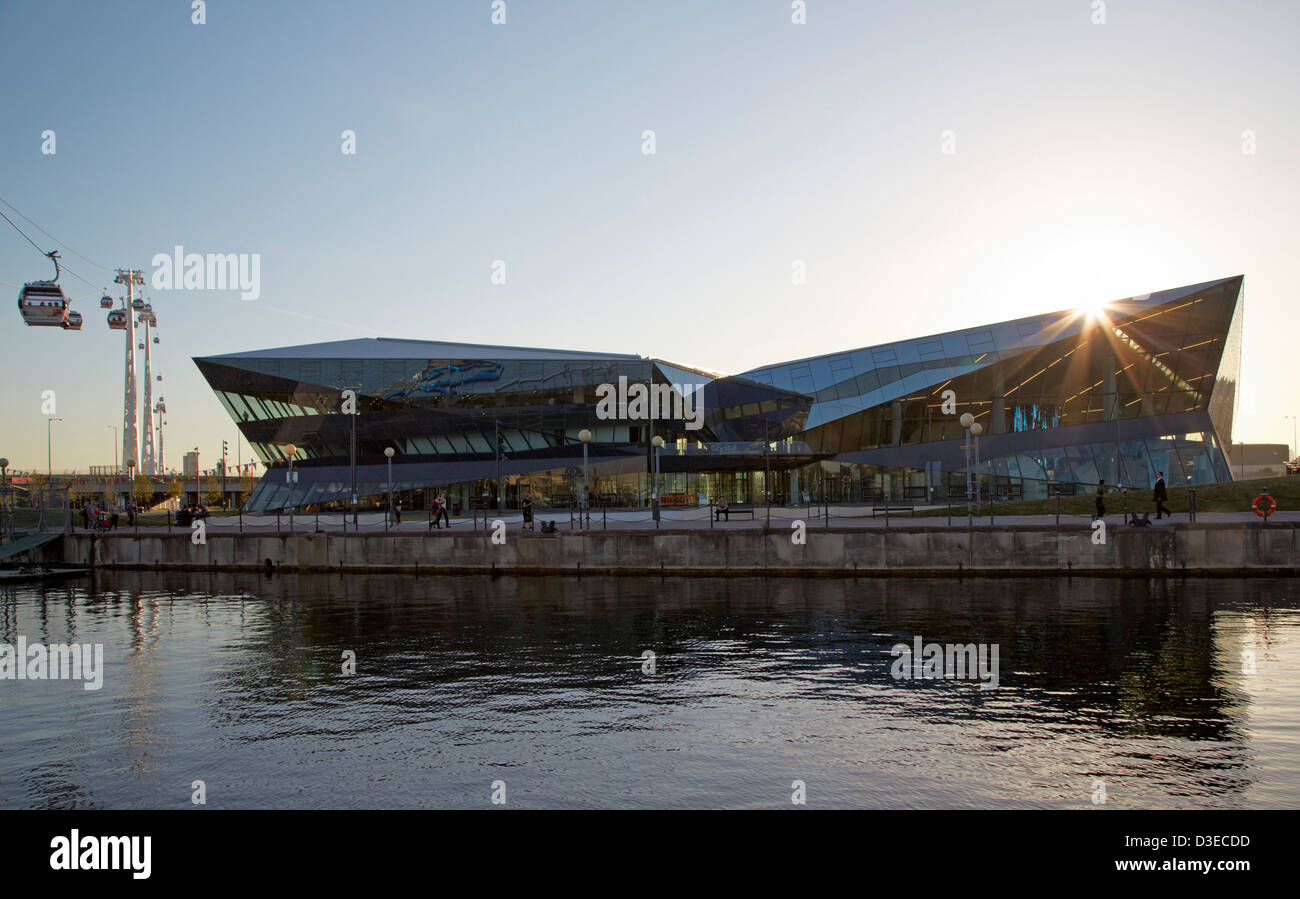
column 236, row 680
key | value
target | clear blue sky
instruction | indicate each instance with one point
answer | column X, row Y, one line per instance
column 1092, row 162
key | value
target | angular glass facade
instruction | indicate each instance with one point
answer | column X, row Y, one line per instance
column 1147, row 384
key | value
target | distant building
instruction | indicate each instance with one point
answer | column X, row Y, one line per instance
column 190, row 464
column 1141, row 385
column 1258, row 460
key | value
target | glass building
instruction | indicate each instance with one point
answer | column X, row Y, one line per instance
column 1143, row 384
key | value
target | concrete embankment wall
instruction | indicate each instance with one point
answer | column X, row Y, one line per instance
column 1212, row 549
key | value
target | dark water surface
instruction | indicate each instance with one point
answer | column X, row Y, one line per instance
column 236, row 680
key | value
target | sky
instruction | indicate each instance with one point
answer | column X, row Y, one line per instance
column 1085, row 161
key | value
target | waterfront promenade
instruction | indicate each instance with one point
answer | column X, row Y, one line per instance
column 783, row 517
column 921, row 547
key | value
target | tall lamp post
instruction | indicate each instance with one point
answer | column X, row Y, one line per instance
column 657, row 442
column 388, row 452
column 1295, row 449
column 976, row 430
column 4, row 493
column 290, row 479
column 49, row 465
column 966, row 421
column 130, row 481
column 198, row 480
column 585, row 436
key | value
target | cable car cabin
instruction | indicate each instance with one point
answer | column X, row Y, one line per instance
column 140, row 345
column 105, row 302
column 74, row 321
column 43, row 303
column 117, row 320
column 137, row 304
column 155, row 340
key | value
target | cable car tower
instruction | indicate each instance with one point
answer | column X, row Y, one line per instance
column 124, row 319
column 148, row 463
column 159, row 408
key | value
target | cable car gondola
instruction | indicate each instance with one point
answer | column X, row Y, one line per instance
column 73, row 322
column 155, row 340
column 105, row 302
column 42, row 303
column 140, row 345
column 117, row 320
column 137, row 304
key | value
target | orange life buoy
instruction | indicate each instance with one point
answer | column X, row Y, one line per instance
column 1269, row 504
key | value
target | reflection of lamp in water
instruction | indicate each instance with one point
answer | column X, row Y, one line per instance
column 291, row 450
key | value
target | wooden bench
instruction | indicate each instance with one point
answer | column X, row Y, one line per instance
column 893, row 505
column 733, row 509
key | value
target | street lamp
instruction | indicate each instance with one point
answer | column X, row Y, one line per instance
column 1295, row 449
column 389, row 451
column 976, row 430
column 966, row 421
column 585, row 436
column 289, row 479
column 4, row 493
column 198, row 480
column 657, row 443
column 49, row 466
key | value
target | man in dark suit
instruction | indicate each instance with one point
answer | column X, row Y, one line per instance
column 1159, row 494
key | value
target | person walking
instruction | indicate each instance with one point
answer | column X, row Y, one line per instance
column 527, row 506
column 85, row 515
column 1101, row 501
column 442, row 508
column 397, row 514
column 1160, row 494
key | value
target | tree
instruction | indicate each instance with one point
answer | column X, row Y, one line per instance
column 142, row 491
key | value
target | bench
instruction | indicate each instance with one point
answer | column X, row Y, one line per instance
column 733, row 509
column 893, row 505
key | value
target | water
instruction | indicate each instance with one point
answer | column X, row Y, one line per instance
column 235, row 680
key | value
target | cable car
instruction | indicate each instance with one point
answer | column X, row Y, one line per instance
column 155, row 340
column 42, row 303
column 148, row 307
column 117, row 320
column 140, row 345
column 137, row 304
column 105, row 302
column 74, row 321
column 160, row 377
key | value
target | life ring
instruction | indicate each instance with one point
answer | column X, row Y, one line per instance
column 1267, row 502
